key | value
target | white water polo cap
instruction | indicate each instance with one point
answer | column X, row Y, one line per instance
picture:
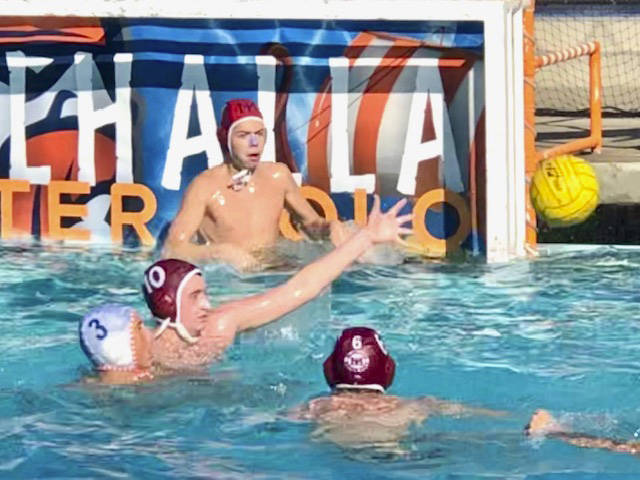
column 107, row 339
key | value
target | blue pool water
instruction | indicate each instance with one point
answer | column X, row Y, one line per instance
column 560, row 332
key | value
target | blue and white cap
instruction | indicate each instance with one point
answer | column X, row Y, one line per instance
column 107, row 339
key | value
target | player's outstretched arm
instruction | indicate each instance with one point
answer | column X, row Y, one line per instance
column 542, row 423
column 257, row 310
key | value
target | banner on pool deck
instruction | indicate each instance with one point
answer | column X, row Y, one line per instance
column 108, row 120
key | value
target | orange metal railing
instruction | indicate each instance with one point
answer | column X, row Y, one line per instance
column 594, row 140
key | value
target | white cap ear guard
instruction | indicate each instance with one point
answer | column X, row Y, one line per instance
column 235, row 124
column 177, row 324
column 106, row 337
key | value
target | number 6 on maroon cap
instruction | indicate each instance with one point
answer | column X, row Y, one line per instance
column 359, row 361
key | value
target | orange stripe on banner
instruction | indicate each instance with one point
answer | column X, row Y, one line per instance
column 357, row 46
column 451, row 62
column 372, row 106
column 51, row 29
column 20, row 28
column 75, row 37
column 61, row 152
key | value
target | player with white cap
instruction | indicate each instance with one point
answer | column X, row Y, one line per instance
column 117, row 343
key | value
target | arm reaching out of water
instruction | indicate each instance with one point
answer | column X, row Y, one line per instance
column 542, row 423
column 233, row 317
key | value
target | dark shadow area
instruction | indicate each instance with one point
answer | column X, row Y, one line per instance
column 572, row 133
column 609, row 224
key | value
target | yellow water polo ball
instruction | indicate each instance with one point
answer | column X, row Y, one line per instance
column 564, row 190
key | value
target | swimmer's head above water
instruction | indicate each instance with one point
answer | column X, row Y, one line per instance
column 242, row 133
column 359, row 361
column 116, row 341
column 175, row 293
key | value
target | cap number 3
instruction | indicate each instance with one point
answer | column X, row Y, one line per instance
column 102, row 332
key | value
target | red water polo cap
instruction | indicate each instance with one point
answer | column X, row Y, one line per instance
column 235, row 111
column 162, row 288
column 359, row 360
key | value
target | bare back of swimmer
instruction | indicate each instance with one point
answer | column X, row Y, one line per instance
column 359, row 413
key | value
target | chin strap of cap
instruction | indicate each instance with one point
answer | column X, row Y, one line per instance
column 233, row 125
column 348, row 386
column 179, row 327
column 240, row 180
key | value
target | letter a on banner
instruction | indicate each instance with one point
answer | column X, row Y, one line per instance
column 341, row 178
column 194, row 85
column 428, row 88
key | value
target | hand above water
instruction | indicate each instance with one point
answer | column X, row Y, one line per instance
column 541, row 423
column 387, row 227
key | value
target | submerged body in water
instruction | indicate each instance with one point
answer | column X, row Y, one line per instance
column 359, row 413
column 556, row 332
column 371, row 419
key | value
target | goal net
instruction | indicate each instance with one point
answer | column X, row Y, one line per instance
column 615, row 24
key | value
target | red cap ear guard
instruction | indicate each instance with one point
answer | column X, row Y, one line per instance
column 359, row 360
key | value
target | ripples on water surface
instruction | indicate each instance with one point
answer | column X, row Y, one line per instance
column 559, row 332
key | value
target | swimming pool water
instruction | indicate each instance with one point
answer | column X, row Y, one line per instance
column 558, row 332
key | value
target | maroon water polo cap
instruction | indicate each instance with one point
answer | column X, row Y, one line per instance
column 162, row 288
column 235, row 111
column 359, row 361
